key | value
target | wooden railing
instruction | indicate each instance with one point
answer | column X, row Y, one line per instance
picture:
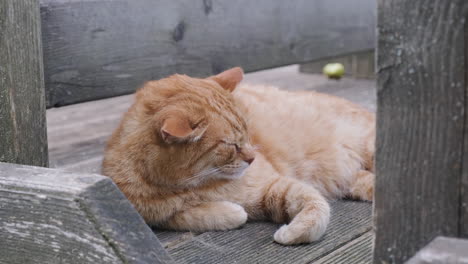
column 98, row 49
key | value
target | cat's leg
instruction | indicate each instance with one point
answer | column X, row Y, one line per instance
column 208, row 216
column 363, row 186
column 306, row 210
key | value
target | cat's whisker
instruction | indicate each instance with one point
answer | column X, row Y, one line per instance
column 205, row 173
column 210, row 171
column 197, row 176
column 201, row 174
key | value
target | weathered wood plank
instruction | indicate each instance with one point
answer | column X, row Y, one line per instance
column 50, row 216
column 254, row 242
column 74, row 153
column 98, row 49
column 420, row 123
column 170, row 238
column 357, row 251
column 23, row 137
column 464, row 181
column 442, row 250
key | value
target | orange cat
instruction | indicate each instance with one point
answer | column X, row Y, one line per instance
column 201, row 154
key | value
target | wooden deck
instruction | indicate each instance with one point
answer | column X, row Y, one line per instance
column 77, row 135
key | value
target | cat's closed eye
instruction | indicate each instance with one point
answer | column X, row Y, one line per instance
column 238, row 149
column 235, row 145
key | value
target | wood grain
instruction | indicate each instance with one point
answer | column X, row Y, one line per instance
column 52, row 216
column 23, row 137
column 420, row 124
column 254, row 243
column 442, row 250
column 357, row 251
column 464, row 182
column 98, row 49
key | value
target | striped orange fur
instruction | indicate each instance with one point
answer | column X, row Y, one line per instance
column 208, row 154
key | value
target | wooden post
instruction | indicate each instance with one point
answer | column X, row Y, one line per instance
column 421, row 125
column 23, row 136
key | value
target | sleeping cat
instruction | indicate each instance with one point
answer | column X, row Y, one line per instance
column 206, row 154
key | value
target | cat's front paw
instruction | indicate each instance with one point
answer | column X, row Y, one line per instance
column 233, row 216
column 300, row 231
column 290, row 235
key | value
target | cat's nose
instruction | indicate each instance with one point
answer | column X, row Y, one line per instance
column 248, row 154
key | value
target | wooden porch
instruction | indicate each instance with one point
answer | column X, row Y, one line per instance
column 55, row 53
column 77, row 135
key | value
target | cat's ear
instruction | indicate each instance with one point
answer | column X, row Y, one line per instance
column 177, row 129
column 229, row 79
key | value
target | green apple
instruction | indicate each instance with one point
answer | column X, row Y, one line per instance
column 334, row 70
